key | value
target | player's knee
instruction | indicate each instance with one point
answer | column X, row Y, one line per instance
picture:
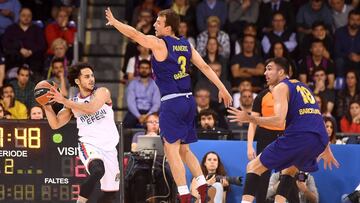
column 253, row 167
column 291, row 171
column 107, row 197
column 97, row 169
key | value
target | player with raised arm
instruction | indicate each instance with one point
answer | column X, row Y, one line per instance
column 304, row 138
column 98, row 135
column 170, row 61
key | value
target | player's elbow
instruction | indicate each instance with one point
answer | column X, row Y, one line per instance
column 279, row 123
column 54, row 126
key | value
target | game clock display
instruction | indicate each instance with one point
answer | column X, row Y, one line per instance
column 38, row 164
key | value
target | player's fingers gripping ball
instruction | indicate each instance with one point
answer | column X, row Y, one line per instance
column 42, row 91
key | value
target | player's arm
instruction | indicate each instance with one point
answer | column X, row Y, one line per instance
column 101, row 96
column 250, row 138
column 198, row 61
column 59, row 120
column 280, row 94
column 148, row 41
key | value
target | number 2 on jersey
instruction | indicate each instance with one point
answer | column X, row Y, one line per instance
column 306, row 95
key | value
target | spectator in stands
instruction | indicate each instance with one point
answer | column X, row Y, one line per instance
column 143, row 97
column 314, row 10
column 246, row 100
column 185, row 32
column 330, row 125
column 279, row 33
column 322, row 104
column 58, row 75
column 340, row 13
column 278, row 49
column 61, row 28
column 269, row 8
column 245, row 84
column 36, row 113
column 24, row 42
column 347, row 45
column 144, row 24
column 248, row 64
column 314, row 61
column 212, row 166
column 320, row 88
column 318, row 31
column 9, row 13
column 208, row 8
column 350, row 92
column 213, row 30
column 17, row 109
column 151, row 129
column 303, row 191
column 132, row 69
column 241, row 12
column 212, row 56
column 202, row 99
column 206, row 83
column 208, row 119
column 249, row 29
column 186, row 13
column 24, row 87
column 59, row 47
column 350, row 122
column 148, row 5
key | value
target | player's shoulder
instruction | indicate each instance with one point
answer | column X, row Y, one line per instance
column 101, row 91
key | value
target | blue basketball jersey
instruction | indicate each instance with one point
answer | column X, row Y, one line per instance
column 303, row 112
column 172, row 74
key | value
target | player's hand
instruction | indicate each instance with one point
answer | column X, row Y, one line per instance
column 56, row 96
column 237, row 115
column 328, row 158
column 109, row 16
column 251, row 153
column 225, row 96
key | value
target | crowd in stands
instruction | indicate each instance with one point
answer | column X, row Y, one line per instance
column 36, row 43
column 320, row 38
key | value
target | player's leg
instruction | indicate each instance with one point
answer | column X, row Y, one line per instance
column 172, row 152
column 192, row 162
column 96, row 171
column 287, row 183
column 254, row 169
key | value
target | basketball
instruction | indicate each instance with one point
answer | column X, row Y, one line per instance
column 41, row 91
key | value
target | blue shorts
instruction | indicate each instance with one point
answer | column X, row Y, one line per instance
column 177, row 120
column 298, row 149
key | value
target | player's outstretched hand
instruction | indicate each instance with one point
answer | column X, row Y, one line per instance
column 109, row 16
column 328, row 158
column 56, row 96
column 237, row 115
column 226, row 97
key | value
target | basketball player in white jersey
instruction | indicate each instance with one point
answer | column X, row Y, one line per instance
column 98, row 135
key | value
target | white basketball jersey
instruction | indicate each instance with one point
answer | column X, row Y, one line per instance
column 97, row 129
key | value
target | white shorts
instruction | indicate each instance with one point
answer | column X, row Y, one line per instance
column 111, row 178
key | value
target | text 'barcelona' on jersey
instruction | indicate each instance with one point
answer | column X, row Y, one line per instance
column 172, row 74
column 303, row 112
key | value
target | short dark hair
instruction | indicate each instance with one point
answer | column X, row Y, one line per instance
column 208, row 112
column 281, row 63
column 75, row 71
column 316, row 40
column 144, row 61
column 171, row 19
column 57, row 60
column 5, row 86
column 354, row 12
column 317, row 24
column 23, row 67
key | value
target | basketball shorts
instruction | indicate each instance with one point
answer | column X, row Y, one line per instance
column 111, row 178
column 177, row 119
column 298, row 149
